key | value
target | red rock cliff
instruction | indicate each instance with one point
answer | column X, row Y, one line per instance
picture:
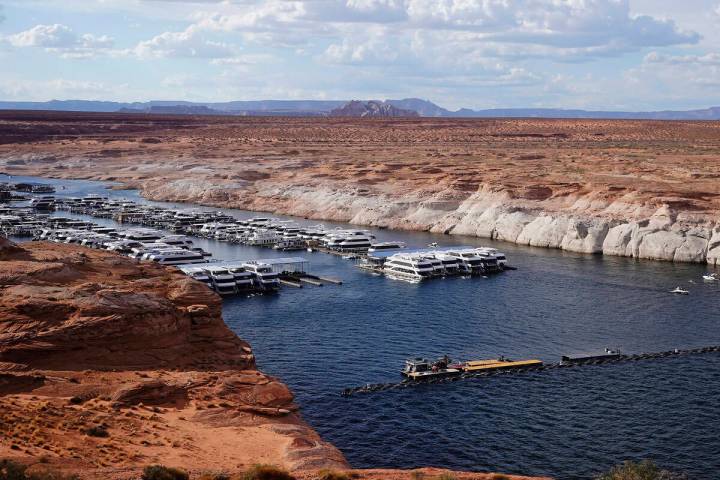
column 140, row 353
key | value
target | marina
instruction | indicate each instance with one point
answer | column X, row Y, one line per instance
column 150, row 244
column 320, row 341
column 161, row 235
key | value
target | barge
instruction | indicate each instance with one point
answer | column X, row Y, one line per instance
column 419, row 369
column 609, row 354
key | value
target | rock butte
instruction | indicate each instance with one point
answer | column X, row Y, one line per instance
column 643, row 189
column 139, row 353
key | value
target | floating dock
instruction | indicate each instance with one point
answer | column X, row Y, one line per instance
column 237, row 277
column 578, row 362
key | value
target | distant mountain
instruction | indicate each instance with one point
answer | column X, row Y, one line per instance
column 423, row 108
column 254, row 107
column 371, row 109
column 712, row 113
column 174, row 110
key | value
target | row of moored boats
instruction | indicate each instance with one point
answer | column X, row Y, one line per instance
column 285, row 235
column 146, row 244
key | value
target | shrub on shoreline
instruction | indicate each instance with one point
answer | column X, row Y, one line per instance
column 266, row 472
column 160, row 472
column 644, row 470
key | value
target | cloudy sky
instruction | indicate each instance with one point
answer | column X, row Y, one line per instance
column 599, row 54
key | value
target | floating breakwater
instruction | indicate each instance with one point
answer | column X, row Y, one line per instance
column 381, row 387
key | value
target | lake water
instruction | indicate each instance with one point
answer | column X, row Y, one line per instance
column 570, row 424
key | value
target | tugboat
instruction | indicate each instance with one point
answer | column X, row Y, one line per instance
column 423, row 369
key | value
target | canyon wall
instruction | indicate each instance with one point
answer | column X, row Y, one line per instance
column 578, row 223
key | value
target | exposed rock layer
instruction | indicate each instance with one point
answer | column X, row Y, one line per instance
column 107, row 363
column 633, row 188
column 371, row 109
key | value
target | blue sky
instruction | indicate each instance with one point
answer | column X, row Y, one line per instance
column 597, row 54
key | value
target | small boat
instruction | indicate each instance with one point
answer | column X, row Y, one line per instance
column 433, row 245
column 352, row 256
column 423, row 369
column 710, row 277
column 679, row 291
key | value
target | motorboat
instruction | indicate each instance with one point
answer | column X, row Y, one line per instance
column 711, row 277
column 221, row 279
column 423, row 369
column 382, row 246
column 244, row 279
column 679, row 291
column 348, row 240
column 469, row 261
column 263, row 275
column 408, row 267
column 263, row 237
column 176, row 256
column 290, row 243
column 198, row 273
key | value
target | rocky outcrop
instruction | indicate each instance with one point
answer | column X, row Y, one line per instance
column 371, row 109
column 65, row 307
column 95, row 342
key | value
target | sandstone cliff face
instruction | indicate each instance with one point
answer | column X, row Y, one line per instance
column 371, row 109
column 141, row 354
column 585, row 225
column 65, row 307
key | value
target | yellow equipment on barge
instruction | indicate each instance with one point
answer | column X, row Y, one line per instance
column 499, row 364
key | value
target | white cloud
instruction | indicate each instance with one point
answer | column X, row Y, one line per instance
column 707, row 59
column 680, row 73
column 41, row 90
column 378, row 48
column 189, row 43
column 61, row 39
column 52, row 36
column 569, row 30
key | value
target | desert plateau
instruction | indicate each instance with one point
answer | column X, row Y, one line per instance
column 635, row 188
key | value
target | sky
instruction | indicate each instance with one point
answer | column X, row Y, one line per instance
column 592, row 54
